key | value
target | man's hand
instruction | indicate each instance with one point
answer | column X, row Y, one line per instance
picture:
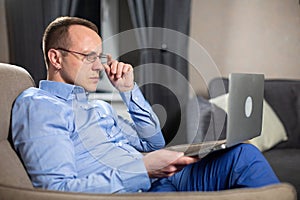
column 165, row 163
column 120, row 74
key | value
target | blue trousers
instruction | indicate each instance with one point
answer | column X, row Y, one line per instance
column 236, row 167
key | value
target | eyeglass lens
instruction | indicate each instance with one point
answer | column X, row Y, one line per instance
column 93, row 57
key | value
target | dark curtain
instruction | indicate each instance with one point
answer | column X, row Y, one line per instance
column 26, row 21
column 173, row 93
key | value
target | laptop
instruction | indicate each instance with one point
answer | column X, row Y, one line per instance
column 244, row 115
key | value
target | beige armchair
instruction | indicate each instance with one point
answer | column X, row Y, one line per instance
column 15, row 183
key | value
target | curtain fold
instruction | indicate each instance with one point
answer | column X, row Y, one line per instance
column 4, row 50
column 159, row 29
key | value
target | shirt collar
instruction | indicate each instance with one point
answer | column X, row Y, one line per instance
column 62, row 90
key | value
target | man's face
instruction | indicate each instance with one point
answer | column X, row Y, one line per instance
column 76, row 69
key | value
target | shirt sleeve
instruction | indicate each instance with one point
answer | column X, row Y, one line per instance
column 41, row 135
column 145, row 122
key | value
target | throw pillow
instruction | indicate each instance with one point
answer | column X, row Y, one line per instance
column 273, row 130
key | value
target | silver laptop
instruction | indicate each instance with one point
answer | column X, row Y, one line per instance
column 244, row 116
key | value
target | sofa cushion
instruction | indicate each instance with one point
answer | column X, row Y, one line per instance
column 284, row 98
column 285, row 163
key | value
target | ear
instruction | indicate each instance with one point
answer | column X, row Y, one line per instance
column 55, row 58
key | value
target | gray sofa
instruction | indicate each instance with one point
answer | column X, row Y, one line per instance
column 15, row 183
column 284, row 98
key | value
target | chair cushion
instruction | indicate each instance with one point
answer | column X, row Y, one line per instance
column 12, row 172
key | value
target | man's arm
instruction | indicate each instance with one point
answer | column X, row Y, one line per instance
column 42, row 137
column 146, row 123
column 161, row 163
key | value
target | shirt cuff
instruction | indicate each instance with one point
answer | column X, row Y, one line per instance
column 135, row 96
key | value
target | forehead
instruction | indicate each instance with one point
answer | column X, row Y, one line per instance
column 84, row 38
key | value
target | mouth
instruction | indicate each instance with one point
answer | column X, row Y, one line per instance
column 95, row 79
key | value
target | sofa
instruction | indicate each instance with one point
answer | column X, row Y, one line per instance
column 283, row 98
column 15, row 182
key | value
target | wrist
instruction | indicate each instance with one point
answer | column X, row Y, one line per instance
column 126, row 88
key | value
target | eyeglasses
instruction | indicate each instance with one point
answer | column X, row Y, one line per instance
column 90, row 58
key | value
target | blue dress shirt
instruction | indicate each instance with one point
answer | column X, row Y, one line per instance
column 69, row 143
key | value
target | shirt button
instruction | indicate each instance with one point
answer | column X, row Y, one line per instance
column 136, row 98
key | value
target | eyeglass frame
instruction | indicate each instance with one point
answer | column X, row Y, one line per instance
column 86, row 56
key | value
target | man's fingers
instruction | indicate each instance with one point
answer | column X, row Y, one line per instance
column 119, row 71
column 113, row 66
column 109, row 59
column 120, row 74
column 118, row 68
column 185, row 160
column 106, row 67
column 127, row 68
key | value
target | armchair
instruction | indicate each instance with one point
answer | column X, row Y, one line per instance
column 16, row 184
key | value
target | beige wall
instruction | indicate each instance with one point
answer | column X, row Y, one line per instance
column 259, row 36
column 4, row 55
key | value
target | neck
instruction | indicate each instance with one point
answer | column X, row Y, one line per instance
column 54, row 75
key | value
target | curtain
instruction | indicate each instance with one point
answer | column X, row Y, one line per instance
column 163, row 72
column 26, row 22
column 4, row 52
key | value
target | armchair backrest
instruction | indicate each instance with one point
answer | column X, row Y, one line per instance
column 13, row 80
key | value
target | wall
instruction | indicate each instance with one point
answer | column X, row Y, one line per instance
column 259, row 36
column 4, row 52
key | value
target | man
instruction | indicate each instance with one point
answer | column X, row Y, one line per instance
column 71, row 144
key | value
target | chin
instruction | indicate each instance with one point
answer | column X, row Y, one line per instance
column 91, row 88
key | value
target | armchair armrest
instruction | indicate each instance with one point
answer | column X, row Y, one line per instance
column 283, row 191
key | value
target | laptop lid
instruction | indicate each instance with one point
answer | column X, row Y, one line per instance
column 245, row 107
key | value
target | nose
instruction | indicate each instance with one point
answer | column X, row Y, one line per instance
column 97, row 65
